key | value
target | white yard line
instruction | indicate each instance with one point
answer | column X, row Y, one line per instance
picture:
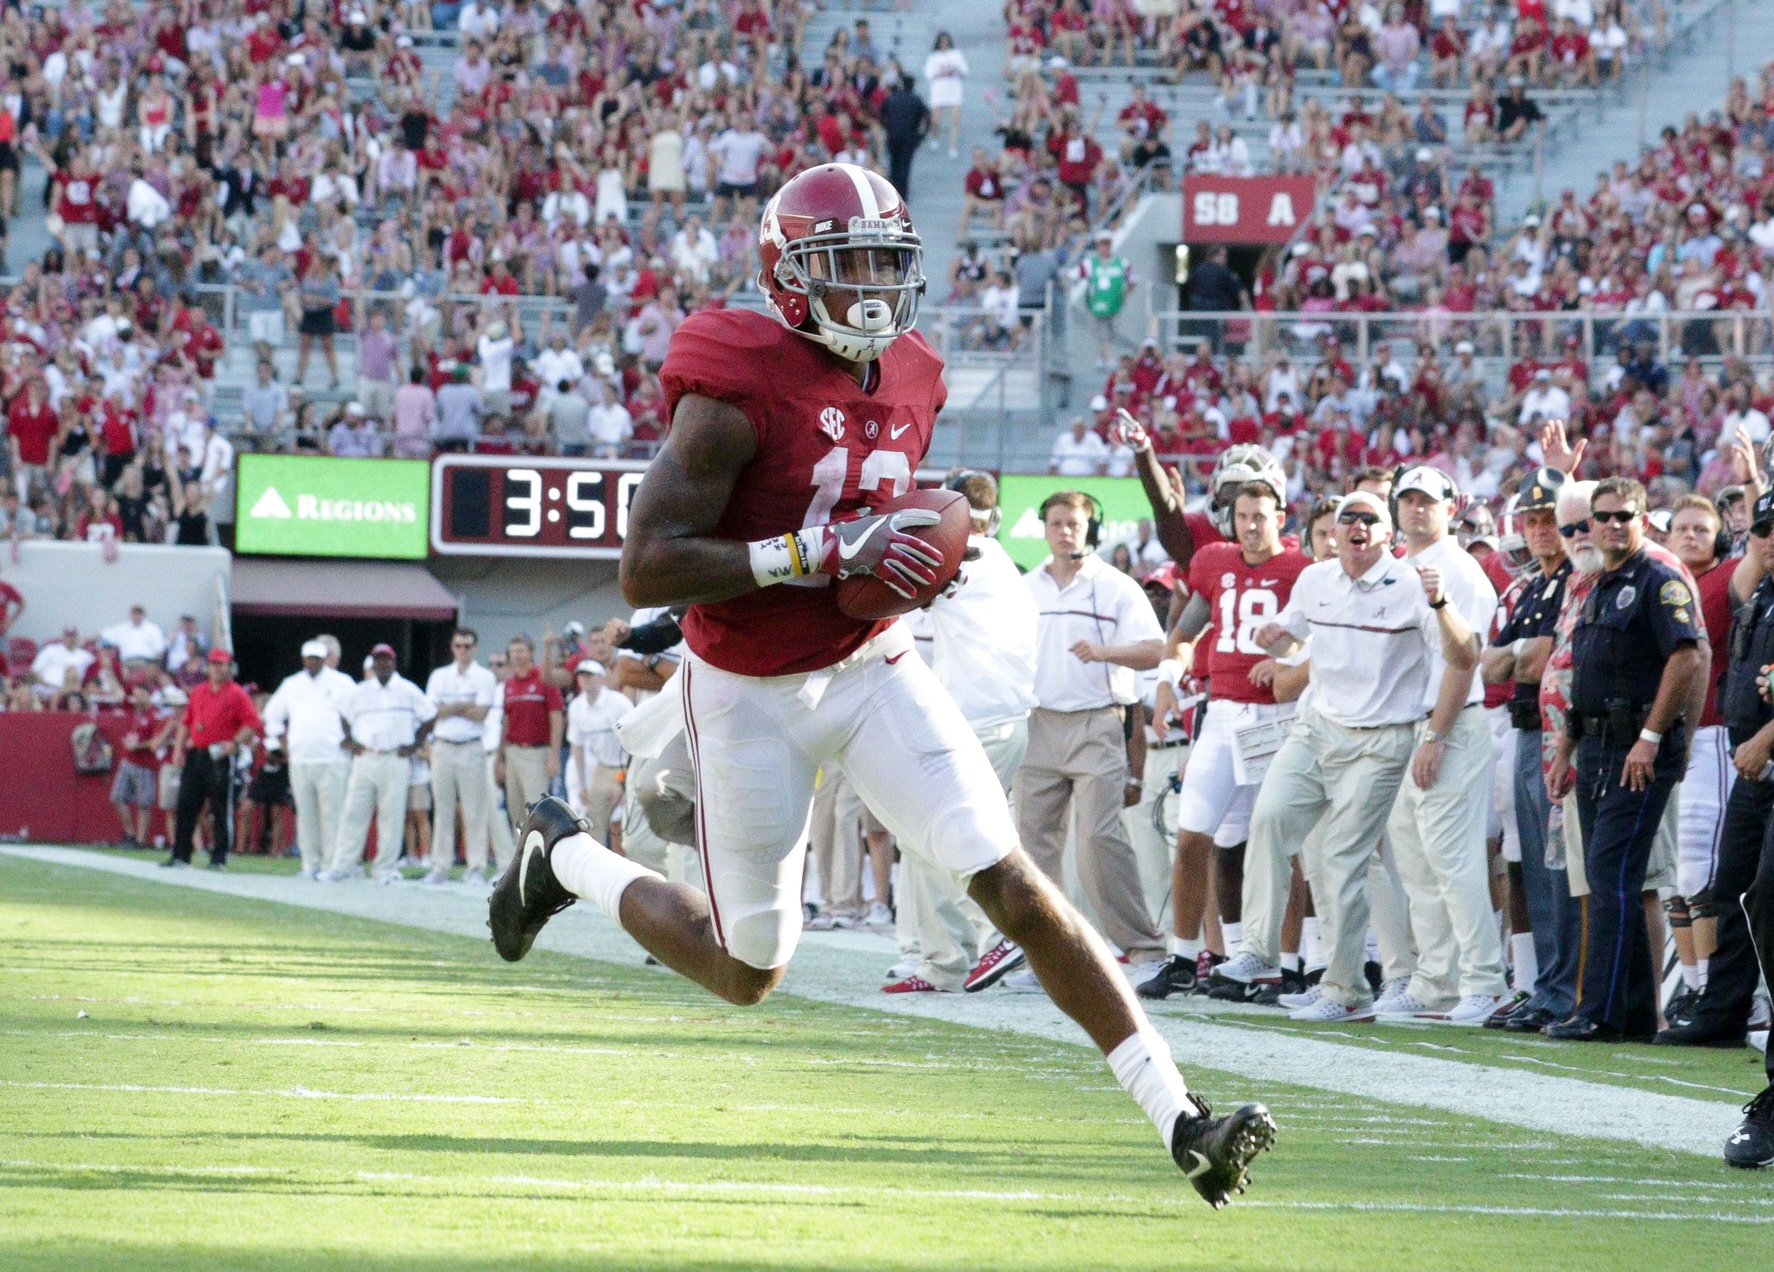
column 845, row 968
column 292, row 1093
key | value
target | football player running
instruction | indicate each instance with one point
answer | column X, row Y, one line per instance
column 1235, row 588
column 787, row 434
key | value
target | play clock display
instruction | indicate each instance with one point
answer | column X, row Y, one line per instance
column 520, row 505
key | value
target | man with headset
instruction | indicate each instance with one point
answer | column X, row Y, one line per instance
column 1096, row 630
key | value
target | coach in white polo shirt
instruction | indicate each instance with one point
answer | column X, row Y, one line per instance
column 306, row 717
column 1097, row 629
column 1437, row 827
column 1373, row 621
column 388, row 718
column 594, row 775
column 462, row 691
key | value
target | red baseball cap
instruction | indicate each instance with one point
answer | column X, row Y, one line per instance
column 220, row 656
column 379, row 650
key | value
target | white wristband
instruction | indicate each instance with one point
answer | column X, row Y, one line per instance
column 780, row 559
column 1645, row 735
column 1170, row 671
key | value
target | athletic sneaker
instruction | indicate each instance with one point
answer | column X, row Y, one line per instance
column 1246, row 969
column 1003, row 958
column 435, row 877
column 1326, row 1011
column 1176, row 975
column 1403, row 1006
column 902, row 969
column 1269, row 995
column 1305, row 998
column 1681, row 1004
column 879, row 918
column 387, row 877
column 173, row 863
column 1506, row 1008
column 1389, row 991
column 831, row 921
column 475, row 878
column 1472, row 1010
column 1024, row 980
column 1215, row 1153
column 528, row 894
column 1751, row 1145
column 129, row 842
column 910, row 985
column 310, row 875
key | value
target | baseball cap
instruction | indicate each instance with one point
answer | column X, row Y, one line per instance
column 1539, row 489
column 378, row 650
column 1465, row 346
column 221, row 656
column 1366, row 499
column 574, row 628
column 1099, row 403
column 1659, row 520
column 589, row 667
column 314, row 649
column 1429, row 481
column 1764, row 511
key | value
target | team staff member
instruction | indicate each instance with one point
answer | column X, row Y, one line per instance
column 387, row 718
column 462, row 691
column 1519, row 652
column 1637, row 656
column 1437, row 827
column 1719, row 1015
column 307, row 715
column 533, row 720
column 1372, row 620
column 1697, row 536
column 219, row 719
column 594, row 783
column 1097, row 628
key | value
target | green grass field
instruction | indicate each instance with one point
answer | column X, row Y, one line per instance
column 195, row 1080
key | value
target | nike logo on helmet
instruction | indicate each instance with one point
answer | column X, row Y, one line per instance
column 533, row 844
column 847, row 549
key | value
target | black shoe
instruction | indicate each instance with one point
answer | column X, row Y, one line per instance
column 129, row 843
column 1376, row 976
column 175, row 863
column 1682, row 1005
column 1751, row 1145
column 1583, row 1029
column 218, row 865
column 527, row 894
column 1530, row 1020
column 1175, row 976
column 1231, row 991
column 1500, row 1018
column 1696, row 1030
column 1215, row 1152
column 1269, row 995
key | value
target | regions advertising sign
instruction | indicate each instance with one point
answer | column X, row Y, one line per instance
column 1245, row 209
column 312, row 505
column 1123, row 500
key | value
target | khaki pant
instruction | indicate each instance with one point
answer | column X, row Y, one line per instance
column 937, row 918
column 1341, row 781
column 1077, row 763
column 459, row 772
column 1438, row 843
column 835, row 833
column 499, row 824
column 595, row 791
column 378, row 788
column 1388, row 913
column 1155, row 852
column 318, row 791
column 526, row 780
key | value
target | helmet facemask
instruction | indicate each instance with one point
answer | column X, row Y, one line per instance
column 862, row 285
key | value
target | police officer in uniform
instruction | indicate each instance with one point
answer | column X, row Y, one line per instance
column 1637, row 658
column 1746, row 848
column 1519, row 652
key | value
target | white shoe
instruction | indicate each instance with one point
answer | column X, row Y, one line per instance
column 902, row 969
column 386, row 877
column 1474, row 1009
column 878, row 919
column 830, row 921
column 1390, row 990
column 1403, row 1006
column 1245, row 969
column 310, row 875
column 339, row 876
column 1294, row 1002
column 1325, row 1011
column 1022, row 980
column 475, row 878
column 435, row 877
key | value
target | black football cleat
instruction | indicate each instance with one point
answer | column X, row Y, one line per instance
column 1291, row 982
column 1697, row 1030
column 1215, row 1153
column 1177, row 975
column 1751, row 1145
column 527, row 894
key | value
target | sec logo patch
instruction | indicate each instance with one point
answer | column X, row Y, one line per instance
column 831, row 423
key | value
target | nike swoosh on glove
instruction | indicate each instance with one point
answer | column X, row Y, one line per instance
column 879, row 545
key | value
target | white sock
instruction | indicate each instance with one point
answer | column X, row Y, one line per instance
column 1185, row 946
column 1233, row 935
column 1527, row 962
column 589, row 870
column 1143, row 1067
column 1312, row 944
column 1290, row 960
column 1700, row 966
column 1690, row 976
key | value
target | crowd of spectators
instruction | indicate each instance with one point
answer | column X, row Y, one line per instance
column 101, row 670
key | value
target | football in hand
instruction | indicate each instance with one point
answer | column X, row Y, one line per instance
column 866, row 597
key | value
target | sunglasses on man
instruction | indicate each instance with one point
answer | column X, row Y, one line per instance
column 1351, row 518
column 1619, row 518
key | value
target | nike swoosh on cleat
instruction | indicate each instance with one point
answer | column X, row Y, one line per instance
column 1201, row 1167
column 848, row 551
column 897, row 429
column 533, row 843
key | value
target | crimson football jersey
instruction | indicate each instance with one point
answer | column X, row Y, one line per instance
column 1242, row 598
column 1715, row 613
column 827, row 450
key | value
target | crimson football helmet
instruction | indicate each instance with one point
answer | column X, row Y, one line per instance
column 839, row 262
column 1236, row 466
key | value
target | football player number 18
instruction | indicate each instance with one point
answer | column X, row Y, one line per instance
column 1241, row 614
column 878, row 467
